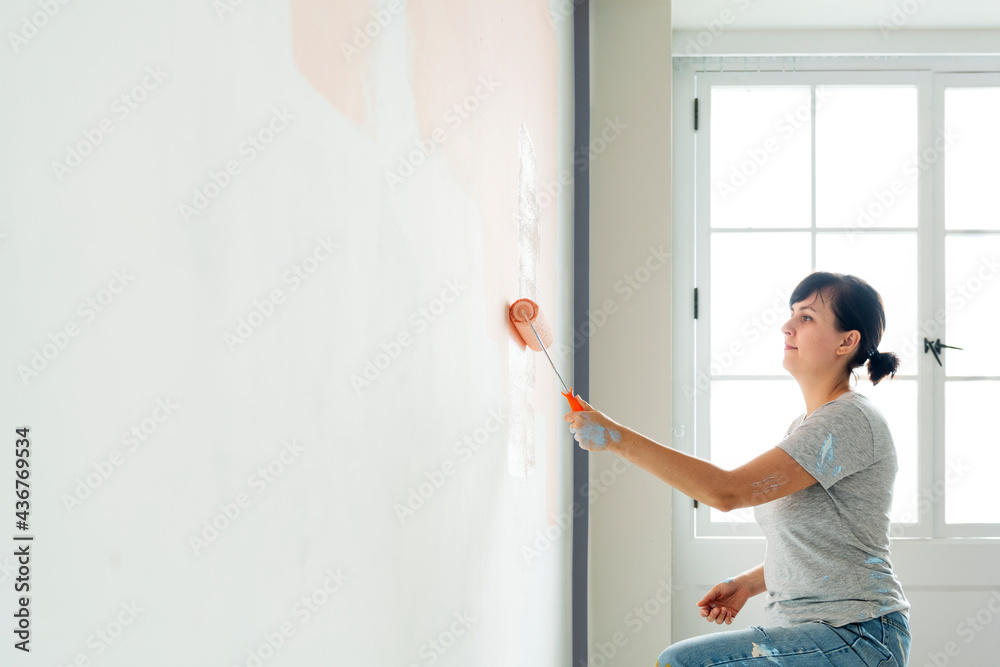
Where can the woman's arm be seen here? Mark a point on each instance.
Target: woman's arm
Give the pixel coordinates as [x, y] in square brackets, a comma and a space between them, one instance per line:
[772, 475]
[753, 579]
[725, 600]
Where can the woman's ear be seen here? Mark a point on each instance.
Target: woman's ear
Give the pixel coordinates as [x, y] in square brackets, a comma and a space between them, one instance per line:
[849, 342]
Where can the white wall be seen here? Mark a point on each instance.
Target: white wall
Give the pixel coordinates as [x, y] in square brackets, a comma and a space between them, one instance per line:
[630, 581]
[398, 502]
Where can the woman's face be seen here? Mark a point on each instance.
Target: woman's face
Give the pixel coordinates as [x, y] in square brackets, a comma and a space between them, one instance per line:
[813, 346]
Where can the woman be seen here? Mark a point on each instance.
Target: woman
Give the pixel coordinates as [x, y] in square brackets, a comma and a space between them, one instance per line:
[821, 497]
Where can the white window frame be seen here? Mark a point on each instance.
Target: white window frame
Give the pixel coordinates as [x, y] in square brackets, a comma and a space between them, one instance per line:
[692, 76]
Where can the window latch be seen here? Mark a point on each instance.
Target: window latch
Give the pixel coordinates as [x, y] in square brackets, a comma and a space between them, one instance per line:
[935, 347]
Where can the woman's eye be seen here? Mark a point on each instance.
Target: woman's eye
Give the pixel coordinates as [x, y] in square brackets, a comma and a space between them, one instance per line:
[806, 317]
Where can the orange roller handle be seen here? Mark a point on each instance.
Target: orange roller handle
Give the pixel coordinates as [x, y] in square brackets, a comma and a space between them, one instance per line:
[573, 403]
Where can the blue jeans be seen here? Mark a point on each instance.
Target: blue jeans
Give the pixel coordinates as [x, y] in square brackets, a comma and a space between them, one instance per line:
[880, 642]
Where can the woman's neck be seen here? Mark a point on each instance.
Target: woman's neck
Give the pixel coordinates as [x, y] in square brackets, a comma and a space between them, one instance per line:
[818, 396]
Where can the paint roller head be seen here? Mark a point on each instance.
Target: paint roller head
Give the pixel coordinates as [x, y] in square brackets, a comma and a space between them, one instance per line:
[525, 313]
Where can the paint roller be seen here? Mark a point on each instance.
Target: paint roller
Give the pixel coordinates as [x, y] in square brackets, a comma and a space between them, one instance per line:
[534, 330]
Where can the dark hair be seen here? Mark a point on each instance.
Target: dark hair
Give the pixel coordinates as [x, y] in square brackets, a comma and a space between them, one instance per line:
[856, 306]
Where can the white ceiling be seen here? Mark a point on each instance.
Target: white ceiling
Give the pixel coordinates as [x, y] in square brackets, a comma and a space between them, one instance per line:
[838, 14]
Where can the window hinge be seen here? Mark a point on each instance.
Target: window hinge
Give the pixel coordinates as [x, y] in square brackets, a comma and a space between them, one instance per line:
[695, 303]
[696, 504]
[696, 114]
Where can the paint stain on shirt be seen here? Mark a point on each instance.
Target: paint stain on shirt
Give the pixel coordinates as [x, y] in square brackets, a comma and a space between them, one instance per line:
[825, 460]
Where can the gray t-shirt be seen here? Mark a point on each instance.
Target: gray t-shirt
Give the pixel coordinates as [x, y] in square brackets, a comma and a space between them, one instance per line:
[827, 553]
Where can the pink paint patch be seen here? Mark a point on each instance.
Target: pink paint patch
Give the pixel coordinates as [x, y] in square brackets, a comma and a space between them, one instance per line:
[329, 53]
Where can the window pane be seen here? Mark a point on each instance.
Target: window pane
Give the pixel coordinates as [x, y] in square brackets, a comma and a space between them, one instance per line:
[972, 304]
[866, 147]
[753, 275]
[749, 417]
[887, 262]
[760, 157]
[971, 453]
[971, 145]
[897, 401]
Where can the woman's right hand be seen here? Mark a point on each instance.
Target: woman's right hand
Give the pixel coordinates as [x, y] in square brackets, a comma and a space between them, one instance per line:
[724, 601]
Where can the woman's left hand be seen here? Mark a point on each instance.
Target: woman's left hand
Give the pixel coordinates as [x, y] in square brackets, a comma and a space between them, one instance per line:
[594, 430]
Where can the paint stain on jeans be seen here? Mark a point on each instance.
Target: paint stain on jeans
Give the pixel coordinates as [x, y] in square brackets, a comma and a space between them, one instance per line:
[764, 649]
